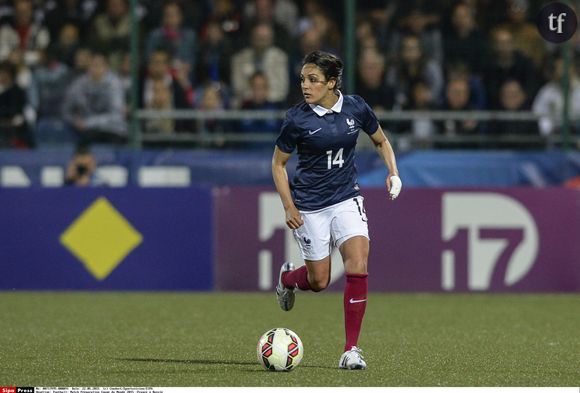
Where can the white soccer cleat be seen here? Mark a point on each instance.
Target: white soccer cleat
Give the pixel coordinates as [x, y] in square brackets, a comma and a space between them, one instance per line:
[352, 360]
[285, 295]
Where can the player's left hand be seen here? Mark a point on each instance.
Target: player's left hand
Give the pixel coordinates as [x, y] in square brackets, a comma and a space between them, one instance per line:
[394, 185]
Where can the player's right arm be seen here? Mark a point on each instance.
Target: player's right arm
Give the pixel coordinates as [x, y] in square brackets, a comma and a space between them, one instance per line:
[280, 175]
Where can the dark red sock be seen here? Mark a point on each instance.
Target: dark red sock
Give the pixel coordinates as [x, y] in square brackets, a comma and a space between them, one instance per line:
[355, 304]
[296, 279]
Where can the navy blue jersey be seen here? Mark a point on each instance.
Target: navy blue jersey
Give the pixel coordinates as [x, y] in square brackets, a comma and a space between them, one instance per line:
[325, 141]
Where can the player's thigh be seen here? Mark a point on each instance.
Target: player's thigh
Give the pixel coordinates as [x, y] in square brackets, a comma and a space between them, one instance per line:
[349, 220]
[355, 254]
[351, 235]
[313, 237]
[319, 272]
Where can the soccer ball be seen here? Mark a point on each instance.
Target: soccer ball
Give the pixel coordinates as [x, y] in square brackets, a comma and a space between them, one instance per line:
[280, 349]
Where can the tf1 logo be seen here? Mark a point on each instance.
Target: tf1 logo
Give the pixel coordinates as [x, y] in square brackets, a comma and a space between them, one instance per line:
[491, 240]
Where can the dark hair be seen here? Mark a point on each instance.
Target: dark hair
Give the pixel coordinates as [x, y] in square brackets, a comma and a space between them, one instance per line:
[9, 68]
[98, 52]
[330, 65]
[82, 148]
[175, 3]
[257, 74]
[160, 49]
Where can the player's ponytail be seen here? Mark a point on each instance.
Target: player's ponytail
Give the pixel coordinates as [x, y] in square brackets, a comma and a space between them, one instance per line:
[330, 65]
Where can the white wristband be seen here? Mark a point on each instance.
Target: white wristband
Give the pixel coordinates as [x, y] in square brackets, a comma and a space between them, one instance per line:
[396, 185]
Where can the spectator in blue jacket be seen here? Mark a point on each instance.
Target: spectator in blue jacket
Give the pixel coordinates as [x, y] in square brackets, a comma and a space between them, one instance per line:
[259, 101]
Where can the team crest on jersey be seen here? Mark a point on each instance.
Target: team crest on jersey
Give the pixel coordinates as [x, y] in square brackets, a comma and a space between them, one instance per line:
[351, 126]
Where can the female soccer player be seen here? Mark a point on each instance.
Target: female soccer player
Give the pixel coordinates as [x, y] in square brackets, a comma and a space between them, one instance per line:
[323, 203]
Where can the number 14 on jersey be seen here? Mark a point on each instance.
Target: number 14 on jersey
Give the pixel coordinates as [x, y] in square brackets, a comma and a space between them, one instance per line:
[337, 160]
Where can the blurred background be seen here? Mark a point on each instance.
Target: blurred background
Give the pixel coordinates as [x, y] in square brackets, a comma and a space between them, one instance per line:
[218, 76]
[162, 116]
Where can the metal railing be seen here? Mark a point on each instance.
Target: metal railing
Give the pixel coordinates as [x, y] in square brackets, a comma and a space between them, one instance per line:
[404, 140]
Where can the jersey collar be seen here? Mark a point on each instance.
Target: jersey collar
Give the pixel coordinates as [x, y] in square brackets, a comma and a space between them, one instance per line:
[321, 111]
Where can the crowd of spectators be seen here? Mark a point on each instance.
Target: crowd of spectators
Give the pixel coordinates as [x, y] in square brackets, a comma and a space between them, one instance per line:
[65, 65]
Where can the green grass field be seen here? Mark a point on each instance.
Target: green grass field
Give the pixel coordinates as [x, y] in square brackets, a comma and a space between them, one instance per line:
[193, 339]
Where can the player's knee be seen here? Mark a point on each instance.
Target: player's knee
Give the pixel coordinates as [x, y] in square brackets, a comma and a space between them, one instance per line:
[319, 284]
[356, 266]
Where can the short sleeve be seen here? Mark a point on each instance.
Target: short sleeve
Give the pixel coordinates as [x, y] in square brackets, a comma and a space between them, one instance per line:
[368, 118]
[287, 140]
